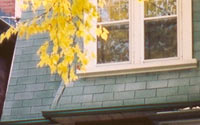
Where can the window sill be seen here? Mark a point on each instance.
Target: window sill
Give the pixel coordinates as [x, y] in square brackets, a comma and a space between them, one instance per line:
[146, 67]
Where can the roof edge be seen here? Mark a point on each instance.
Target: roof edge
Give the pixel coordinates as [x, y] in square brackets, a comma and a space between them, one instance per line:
[120, 109]
[5, 22]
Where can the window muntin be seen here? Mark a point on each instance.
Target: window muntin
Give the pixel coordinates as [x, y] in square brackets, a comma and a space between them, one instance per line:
[114, 17]
[160, 29]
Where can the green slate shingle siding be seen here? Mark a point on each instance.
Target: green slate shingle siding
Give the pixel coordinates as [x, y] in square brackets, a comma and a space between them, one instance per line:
[32, 90]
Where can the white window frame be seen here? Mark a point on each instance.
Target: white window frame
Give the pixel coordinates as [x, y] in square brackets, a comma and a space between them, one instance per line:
[137, 63]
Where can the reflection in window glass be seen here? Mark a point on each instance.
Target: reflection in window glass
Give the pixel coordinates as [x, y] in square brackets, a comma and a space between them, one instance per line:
[160, 38]
[116, 48]
[155, 8]
[114, 10]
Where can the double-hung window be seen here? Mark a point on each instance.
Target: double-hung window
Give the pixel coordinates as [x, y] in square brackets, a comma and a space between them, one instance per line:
[149, 36]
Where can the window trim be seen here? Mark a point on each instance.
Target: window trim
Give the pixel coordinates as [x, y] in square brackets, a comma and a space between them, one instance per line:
[137, 63]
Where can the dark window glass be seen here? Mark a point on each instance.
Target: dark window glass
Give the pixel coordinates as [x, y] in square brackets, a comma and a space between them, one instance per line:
[116, 48]
[161, 38]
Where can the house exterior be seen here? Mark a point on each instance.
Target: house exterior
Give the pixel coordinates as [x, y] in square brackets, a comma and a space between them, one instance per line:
[146, 93]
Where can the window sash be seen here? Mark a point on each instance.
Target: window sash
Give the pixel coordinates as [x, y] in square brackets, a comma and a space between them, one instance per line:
[179, 32]
[113, 22]
[120, 22]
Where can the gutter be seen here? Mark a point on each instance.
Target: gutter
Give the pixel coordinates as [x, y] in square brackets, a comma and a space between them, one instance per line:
[154, 112]
[120, 109]
[25, 122]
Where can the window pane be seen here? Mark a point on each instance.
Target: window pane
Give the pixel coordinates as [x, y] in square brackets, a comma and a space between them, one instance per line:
[114, 10]
[116, 48]
[155, 8]
[160, 38]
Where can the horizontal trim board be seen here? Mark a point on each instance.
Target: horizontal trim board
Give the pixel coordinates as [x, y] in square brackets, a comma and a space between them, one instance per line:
[142, 68]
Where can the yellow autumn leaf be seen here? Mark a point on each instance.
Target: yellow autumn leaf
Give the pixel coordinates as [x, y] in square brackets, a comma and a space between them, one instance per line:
[104, 36]
[98, 31]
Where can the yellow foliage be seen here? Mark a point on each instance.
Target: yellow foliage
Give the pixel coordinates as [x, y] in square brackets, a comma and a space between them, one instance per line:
[101, 3]
[65, 22]
[143, 0]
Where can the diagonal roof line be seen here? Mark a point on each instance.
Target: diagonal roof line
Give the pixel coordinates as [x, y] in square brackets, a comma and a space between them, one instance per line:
[5, 22]
[7, 19]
